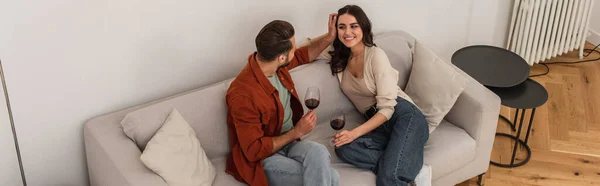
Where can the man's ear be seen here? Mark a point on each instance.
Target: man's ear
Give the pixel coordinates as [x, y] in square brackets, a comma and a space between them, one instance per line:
[281, 59]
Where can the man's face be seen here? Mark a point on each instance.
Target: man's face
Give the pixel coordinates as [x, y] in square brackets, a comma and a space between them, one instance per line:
[285, 61]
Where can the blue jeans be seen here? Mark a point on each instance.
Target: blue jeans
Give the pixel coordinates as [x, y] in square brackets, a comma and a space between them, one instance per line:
[301, 163]
[394, 150]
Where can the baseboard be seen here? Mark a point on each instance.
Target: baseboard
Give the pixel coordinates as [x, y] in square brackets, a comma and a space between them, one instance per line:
[594, 37]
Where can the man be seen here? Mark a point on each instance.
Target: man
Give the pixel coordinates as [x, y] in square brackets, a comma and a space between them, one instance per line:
[265, 120]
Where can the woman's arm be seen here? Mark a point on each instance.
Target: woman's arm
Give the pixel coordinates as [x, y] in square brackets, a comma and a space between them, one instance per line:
[387, 91]
[345, 137]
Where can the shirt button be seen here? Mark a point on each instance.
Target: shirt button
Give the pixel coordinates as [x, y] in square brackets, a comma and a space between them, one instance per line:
[292, 91]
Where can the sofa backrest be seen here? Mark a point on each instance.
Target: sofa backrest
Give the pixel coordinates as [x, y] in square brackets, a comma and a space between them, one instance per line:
[205, 109]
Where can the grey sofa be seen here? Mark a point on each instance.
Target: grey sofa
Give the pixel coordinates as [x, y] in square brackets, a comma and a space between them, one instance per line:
[457, 150]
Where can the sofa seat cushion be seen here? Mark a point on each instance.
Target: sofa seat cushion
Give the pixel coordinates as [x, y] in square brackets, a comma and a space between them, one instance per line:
[350, 175]
[222, 177]
[449, 148]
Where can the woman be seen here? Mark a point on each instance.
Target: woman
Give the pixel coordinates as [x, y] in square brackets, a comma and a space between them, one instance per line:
[391, 141]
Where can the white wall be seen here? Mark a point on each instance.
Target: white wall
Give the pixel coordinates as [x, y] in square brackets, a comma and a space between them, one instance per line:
[9, 165]
[595, 24]
[489, 22]
[67, 61]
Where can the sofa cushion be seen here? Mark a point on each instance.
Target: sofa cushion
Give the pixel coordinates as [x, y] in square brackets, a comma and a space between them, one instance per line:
[323, 133]
[176, 155]
[433, 85]
[222, 177]
[457, 147]
[351, 176]
[449, 148]
[397, 45]
[204, 109]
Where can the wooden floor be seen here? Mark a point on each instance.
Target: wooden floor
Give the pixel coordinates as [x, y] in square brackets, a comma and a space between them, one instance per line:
[565, 139]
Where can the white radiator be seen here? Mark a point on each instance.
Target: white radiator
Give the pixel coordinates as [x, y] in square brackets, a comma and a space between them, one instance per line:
[542, 29]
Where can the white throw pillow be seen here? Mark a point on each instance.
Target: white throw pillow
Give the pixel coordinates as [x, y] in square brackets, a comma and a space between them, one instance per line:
[433, 85]
[175, 154]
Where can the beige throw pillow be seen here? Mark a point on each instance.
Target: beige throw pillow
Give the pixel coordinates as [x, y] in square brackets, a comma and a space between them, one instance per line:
[433, 85]
[175, 154]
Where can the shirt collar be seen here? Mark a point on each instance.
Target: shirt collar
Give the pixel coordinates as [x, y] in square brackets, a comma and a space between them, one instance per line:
[260, 76]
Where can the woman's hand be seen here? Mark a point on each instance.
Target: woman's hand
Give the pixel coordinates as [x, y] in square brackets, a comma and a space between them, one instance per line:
[344, 137]
[332, 28]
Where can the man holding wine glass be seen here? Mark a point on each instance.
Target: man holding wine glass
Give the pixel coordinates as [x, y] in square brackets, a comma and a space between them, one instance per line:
[265, 119]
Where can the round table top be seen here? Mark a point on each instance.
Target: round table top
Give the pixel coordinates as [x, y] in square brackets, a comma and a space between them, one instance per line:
[529, 94]
[492, 66]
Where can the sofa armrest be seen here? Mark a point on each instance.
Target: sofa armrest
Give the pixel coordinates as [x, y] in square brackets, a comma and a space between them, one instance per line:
[112, 158]
[476, 111]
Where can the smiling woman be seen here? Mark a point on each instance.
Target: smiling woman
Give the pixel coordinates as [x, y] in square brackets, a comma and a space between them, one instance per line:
[396, 130]
[352, 23]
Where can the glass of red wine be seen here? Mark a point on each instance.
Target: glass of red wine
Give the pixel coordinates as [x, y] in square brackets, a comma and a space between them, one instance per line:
[312, 97]
[338, 120]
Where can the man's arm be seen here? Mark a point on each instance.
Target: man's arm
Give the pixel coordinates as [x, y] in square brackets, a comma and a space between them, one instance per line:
[320, 43]
[307, 54]
[304, 126]
[281, 141]
[248, 129]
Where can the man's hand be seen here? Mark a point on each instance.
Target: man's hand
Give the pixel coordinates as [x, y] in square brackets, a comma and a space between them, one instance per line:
[306, 124]
[332, 28]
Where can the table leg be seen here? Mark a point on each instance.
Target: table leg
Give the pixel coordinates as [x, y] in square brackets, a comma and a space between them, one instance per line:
[512, 160]
[511, 123]
[530, 124]
[518, 141]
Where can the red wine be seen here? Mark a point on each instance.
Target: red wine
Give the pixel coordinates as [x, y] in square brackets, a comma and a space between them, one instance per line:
[337, 124]
[312, 103]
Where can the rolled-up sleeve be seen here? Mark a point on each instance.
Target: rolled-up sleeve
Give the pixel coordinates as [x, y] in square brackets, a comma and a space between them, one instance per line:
[386, 80]
[323, 55]
[300, 57]
[248, 128]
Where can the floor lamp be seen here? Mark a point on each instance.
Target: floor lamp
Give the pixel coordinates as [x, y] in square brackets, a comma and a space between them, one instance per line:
[12, 124]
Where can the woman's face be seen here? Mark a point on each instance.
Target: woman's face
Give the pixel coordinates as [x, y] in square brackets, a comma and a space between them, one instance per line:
[349, 31]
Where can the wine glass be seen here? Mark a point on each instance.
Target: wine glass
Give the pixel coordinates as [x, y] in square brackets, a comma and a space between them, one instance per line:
[337, 122]
[312, 97]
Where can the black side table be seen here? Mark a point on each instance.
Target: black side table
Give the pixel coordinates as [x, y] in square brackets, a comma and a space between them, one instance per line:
[493, 67]
[527, 95]
[506, 74]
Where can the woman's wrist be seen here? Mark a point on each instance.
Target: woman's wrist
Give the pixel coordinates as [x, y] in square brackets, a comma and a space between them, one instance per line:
[357, 132]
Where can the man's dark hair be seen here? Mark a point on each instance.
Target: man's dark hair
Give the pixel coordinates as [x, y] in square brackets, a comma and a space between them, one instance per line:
[274, 40]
